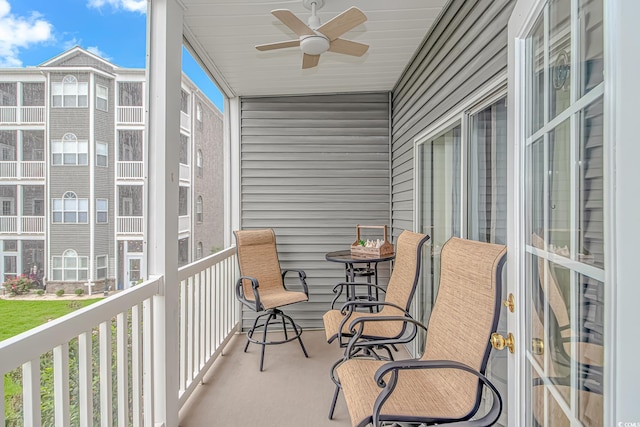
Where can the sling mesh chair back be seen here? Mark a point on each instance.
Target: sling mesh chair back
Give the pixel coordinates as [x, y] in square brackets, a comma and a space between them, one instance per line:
[398, 297]
[445, 384]
[261, 287]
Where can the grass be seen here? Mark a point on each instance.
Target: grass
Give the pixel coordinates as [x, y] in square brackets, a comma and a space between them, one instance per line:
[17, 316]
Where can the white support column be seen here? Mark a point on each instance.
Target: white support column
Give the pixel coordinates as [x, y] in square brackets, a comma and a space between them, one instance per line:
[164, 50]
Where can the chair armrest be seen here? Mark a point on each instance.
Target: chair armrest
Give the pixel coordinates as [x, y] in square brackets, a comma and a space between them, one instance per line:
[256, 294]
[357, 326]
[303, 279]
[338, 289]
[348, 307]
[490, 418]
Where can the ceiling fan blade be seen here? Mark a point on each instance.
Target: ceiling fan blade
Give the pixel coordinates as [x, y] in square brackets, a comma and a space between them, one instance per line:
[278, 45]
[310, 61]
[348, 47]
[293, 22]
[342, 23]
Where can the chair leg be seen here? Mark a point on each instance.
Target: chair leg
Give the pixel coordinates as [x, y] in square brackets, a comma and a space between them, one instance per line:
[298, 333]
[264, 339]
[284, 326]
[334, 401]
[250, 332]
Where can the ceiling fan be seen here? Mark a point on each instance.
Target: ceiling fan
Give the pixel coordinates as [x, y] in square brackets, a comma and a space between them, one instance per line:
[315, 39]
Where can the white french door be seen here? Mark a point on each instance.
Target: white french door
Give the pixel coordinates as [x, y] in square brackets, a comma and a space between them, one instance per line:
[557, 243]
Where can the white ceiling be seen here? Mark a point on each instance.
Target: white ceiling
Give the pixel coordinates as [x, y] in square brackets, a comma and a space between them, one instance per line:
[224, 34]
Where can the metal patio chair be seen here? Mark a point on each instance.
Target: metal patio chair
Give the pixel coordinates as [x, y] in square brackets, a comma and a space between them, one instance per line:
[261, 287]
[398, 296]
[445, 384]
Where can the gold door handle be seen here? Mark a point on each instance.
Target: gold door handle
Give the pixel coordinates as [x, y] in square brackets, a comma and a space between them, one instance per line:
[510, 303]
[499, 342]
[537, 346]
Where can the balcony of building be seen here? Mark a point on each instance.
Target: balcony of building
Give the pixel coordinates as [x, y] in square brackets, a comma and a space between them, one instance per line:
[24, 170]
[14, 115]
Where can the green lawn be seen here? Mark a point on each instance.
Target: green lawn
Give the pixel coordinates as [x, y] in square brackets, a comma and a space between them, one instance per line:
[17, 316]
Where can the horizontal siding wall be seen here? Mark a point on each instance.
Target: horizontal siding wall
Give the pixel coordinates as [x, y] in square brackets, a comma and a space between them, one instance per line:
[466, 50]
[312, 167]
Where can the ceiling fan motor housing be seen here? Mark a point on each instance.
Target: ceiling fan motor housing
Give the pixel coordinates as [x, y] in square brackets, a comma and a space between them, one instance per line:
[314, 45]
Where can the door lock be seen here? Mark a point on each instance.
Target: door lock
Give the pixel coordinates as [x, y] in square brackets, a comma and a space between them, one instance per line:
[510, 303]
[499, 342]
[537, 346]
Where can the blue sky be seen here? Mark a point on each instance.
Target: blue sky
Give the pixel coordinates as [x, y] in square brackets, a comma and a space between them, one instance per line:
[33, 31]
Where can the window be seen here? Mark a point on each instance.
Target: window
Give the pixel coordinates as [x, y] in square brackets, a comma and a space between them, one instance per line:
[183, 251]
[130, 94]
[184, 102]
[199, 116]
[199, 250]
[69, 266]
[183, 201]
[70, 209]
[70, 93]
[102, 211]
[69, 151]
[32, 94]
[184, 149]
[102, 98]
[199, 209]
[199, 163]
[130, 145]
[102, 154]
[101, 267]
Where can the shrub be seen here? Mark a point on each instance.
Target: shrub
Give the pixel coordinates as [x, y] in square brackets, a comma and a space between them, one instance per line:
[40, 292]
[79, 291]
[18, 285]
[59, 292]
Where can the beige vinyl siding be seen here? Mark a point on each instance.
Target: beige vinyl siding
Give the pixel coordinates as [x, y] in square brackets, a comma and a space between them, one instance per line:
[466, 49]
[312, 167]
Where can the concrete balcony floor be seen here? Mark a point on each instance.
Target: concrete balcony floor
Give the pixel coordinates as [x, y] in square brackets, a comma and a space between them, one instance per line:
[292, 391]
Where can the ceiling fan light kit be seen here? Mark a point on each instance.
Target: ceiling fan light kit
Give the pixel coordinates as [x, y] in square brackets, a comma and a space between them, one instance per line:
[315, 39]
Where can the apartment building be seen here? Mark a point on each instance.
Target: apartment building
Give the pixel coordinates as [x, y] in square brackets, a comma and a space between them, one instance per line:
[73, 151]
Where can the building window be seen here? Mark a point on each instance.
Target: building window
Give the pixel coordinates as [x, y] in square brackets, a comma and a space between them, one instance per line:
[70, 93]
[184, 102]
[70, 266]
[102, 154]
[199, 112]
[199, 209]
[184, 149]
[102, 211]
[183, 252]
[102, 98]
[69, 151]
[199, 163]
[101, 267]
[199, 250]
[70, 209]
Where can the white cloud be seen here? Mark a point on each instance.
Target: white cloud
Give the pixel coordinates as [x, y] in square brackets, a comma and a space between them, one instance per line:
[19, 32]
[127, 5]
[96, 51]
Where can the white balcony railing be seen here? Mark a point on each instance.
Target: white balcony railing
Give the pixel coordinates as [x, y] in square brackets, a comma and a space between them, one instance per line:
[18, 115]
[184, 223]
[8, 115]
[32, 114]
[116, 335]
[129, 170]
[32, 224]
[185, 172]
[130, 224]
[25, 224]
[8, 224]
[130, 115]
[8, 170]
[17, 170]
[185, 121]
[32, 169]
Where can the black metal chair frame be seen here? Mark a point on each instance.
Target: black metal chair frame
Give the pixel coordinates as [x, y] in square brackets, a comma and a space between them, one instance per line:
[275, 315]
[393, 367]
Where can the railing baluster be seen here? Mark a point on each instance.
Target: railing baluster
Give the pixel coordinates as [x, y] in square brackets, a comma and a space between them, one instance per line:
[136, 364]
[2, 373]
[183, 336]
[31, 393]
[106, 391]
[61, 384]
[122, 369]
[85, 379]
[147, 355]
[196, 325]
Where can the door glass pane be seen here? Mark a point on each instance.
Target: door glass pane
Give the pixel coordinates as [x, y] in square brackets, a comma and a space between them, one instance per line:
[591, 56]
[590, 350]
[440, 209]
[560, 190]
[591, 182]
[487, 215]
[535, 46]
[559, 56]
